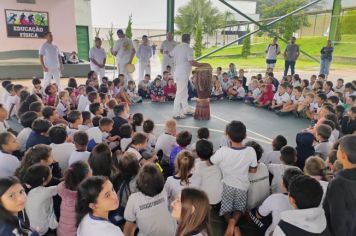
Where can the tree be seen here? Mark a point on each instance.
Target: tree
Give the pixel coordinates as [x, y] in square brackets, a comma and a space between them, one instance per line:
[128, 31]
[198, 38]
[276, 8]
[97, 32]
[246, 45]
[195, 11]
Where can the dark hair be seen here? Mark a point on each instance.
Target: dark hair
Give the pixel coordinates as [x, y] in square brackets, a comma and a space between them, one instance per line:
[329, 84]
[289, 174]
[72, 83]
[334, 99]
[88, 192]
[103, 92]
[350, 85]
[137, 120]
[128, 167]
[94, 107]
[332, 157]
[89, 89]
[324, 131]
[36, 81]
[41, 125]
[48, 111]
[24, 94]
[75, 174]
[27, 118]
[329, 123]
[90, 74]
[4, 139]
[148, 126]
[306, 191]
[306, 83]
[138, 138]
[204, 149]
[73, 116]
[278, 142]
[9, 88]
[57, 134]
[32, 156]
[184, 138]
[348, 145]
[92, 96]
[36, 175]
[105, 121]
[236, 131]
[322, 96]
[288, 155]
[100, 160]
[18, 87]
[340, 108]
[333, 118]
[257, 147]
[7, 217]
[149, 180]
[118, 109]
[203, 133]
[96, 120]
[5, 83]
[81, 138]
[125, 131]
[25, 105]
[86, 115]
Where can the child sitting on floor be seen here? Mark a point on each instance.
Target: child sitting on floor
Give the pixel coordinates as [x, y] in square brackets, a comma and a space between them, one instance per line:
[217, 92]
[254, 94]
[131, 91]
[51, 95]
[266, 97]
[156, 91]
[280, 98]
[143, 87]
[236, 92]
[170, 90]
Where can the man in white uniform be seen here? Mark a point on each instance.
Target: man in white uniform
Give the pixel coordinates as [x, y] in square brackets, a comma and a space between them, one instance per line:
[272, 51]
[166, 47]
[144, 54]
[183, 57]
[124, 52]
[97, 57]
[51, 61]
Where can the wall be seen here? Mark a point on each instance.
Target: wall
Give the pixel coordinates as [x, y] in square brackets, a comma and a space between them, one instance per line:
[61, 22]
[83, 16]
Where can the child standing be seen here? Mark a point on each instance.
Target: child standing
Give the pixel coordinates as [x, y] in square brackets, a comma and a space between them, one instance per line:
[235, 163]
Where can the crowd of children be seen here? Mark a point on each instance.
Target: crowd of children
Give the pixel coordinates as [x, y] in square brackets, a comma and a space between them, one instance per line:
[83, 165]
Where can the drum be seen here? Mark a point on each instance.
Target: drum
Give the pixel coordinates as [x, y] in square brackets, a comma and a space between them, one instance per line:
[203, 85]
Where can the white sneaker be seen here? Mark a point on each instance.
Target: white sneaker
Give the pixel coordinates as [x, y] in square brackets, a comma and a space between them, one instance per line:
[189, 113]
[178, 117]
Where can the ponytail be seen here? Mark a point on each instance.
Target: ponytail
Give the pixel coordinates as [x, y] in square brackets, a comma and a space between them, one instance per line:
[75, 174]
[185, 163]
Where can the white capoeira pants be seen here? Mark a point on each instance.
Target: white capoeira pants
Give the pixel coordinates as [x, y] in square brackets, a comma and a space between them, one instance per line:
[99, 71]
[121, 67]
[54, 74]
[144, 68]
[181, 100]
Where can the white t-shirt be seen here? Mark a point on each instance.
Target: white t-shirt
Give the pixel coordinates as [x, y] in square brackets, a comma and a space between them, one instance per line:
[62, 109]
[99, 55]
[296, 100]
[259, 189]
[281, 98]
[240, 92]
[165, 142]
[235, 164]
[39, 208]
[124, 142]
[51, 53]
[96, 134]
[82, 102]
[275, 204]
[61, 154]
[174, 187]
[151, 143]
[8, 164]
[329, 94]
[182, 55]
[135, 152]
[12, 101]
[225, 84]
[272, 157]
[78, 156]
[167, 46]
[4, 126]
[272, 51]
[22, 137]
[277, 170]
[256, 92]
[93, 226]
[211, 180]
[341, 89]
[150, 214]
[144, 53]
[124, 48]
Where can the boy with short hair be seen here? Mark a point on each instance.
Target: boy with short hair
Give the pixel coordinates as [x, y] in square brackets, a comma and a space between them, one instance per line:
[50, 113]
[339, 86]
[288, 158]
[39, 134]
[237, 92]
[322, 135]
[96, 109]
[93, 97]
[26, 119]
[126, 136]
[280, 98]
[148, 126]
[273, 157]
[167, 140]
[101, 134]
[307, 218]
[225, 83]
[235, 163]
[183, 140]
[75, 119]
[296, 99]
[120, 118]
[87, 121]
[339, 203]
[80, 153]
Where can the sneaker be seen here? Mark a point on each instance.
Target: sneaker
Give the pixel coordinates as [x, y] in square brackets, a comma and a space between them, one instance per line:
[178, 117]
[189, 113]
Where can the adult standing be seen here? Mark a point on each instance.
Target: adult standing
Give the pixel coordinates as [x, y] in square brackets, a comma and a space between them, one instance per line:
[51, 61]
[326, 58]
[97, 57]
[291, 54]
[144, 54]
[272, 51]
[124, 52]
[183, 57]
[166, 47]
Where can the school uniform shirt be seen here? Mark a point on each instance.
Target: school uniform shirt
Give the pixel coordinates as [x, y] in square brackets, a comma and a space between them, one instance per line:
[11, 102]
[71, 131]
[151, 143]
[82, 102]
[99, 55]
[277, 170]
[124, 142]
[256, 92]
[303, 222]
[259, 188]
[165, 142]
[124, 48]
[39, 208]
[334, 136]
[4, 126]
[144, 53]
[4, 96]
[341, 89]
[62, 109]
[211, 180]
[51, 55]
[150, 214]
[329, 94]
[348, 94]
[272, 51]
[135, 152]
[34, 139]
[61, 154]
[323, 149]
[83, 127]
[8, 164]
[272, 157]
[96, 134]
[275, 204]
[296, 100]
[240, 92]
[225, 84]
[93, 226]
[281, 98]
[234, 164]
[77, 155]
[22, 138]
